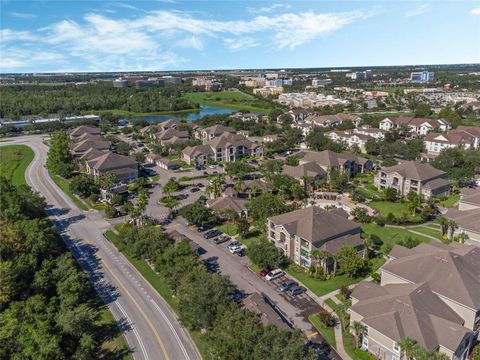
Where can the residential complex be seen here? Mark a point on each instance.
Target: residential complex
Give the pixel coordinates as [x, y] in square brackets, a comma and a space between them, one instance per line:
[417, 126]
[299, 232]
[328, 159]
[463, 136]
[413, 176]
[430, 293]
[467, 216]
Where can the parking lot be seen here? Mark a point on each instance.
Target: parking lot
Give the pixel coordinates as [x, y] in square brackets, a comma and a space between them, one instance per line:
[217, 257]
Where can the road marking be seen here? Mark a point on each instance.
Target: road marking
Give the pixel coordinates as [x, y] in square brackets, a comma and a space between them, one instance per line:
[312, 335]
[135, 332]
[172, 328]
[157, 335]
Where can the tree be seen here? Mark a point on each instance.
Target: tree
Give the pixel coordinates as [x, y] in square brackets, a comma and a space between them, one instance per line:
[201, 296]
[443, 225]
[237, 169]
[358, 329]
[263, 253]
[171, 186]
[351, 263]
[59, 160]
[414, 201]
[459, 164]
[452, 226]
[82, 185]
[198, 214]
[264, 206]
[243, 226]
[391, 194]
[409, 242]
[423, 110]
[107, 180]
[326, 318]
[407, 346]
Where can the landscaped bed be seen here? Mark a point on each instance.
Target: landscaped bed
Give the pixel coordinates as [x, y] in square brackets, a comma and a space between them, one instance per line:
[328, 333]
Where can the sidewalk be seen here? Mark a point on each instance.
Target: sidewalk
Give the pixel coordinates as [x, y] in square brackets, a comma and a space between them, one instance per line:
[338, 333]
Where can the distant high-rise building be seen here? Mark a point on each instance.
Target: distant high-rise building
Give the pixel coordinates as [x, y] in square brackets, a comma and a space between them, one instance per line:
[172, 80]
[321, 82]
[360, 75]
[421, 76]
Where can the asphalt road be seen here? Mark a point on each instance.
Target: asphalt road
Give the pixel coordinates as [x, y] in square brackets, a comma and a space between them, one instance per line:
[151, 328]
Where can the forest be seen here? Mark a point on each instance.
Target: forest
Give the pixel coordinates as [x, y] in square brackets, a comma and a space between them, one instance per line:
[17, 101]
[48, 308]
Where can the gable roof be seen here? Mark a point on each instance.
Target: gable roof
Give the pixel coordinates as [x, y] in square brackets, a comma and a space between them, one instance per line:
[409, 310]
[328, 158]
[78, 131]
[451, 270]
[111, 160]
[218, 130]
[317, 225]
[86, 144]
[415, 170]
[227, 202]
[311, 169]
[467, 219]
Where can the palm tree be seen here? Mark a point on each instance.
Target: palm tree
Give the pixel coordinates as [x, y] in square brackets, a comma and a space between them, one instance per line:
[336, 258]
[358, 329]
[407, 346]
[324, 255]
[452, 226]
[315, 255]
[443, 225]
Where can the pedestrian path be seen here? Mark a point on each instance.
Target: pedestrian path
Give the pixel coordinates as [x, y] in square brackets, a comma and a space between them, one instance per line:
[338, 333]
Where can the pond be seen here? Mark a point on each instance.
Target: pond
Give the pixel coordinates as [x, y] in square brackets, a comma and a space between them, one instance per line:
[189, 116]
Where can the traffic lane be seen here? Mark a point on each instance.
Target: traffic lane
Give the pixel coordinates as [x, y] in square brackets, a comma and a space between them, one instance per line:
[73, 217]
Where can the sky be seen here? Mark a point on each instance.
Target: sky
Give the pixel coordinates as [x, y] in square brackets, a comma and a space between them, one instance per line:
[90, 36]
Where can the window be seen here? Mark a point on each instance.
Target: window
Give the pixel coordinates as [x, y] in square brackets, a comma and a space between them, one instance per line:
[396, 348]
[365, 330]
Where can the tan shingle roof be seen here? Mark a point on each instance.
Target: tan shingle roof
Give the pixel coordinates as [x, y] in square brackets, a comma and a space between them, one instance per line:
[86, 144]
[311, 169]
[227, 202]
[111, 161]
[451, 270]
[468, 219]
[78, 131]
[319, 226]
[409, 310]
[415, 170]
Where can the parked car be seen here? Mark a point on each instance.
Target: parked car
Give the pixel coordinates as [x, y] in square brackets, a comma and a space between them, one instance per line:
[296, 290]
[287, 285]
[200, 185]
[212, 166]
[199, 167]
[233, 244]
[264, 272]
[241, 252]
[205, 173]
[211, 234]
[274, 274]
[236, 249]
[194, 190]
[203, 228]
[221, 239]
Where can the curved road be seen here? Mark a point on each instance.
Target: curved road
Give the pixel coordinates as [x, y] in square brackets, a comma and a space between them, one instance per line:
[150, 326]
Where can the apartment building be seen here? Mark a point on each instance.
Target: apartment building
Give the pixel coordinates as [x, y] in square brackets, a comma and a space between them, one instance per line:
[328, 159]
[299, 232]
[430, 293]
[436, 142]
[124, 167]
[417, 126]
[414, 176]
[171, 137]
[331, 120]
[467, 215]
[84, 131]
[163, 126]
[212, 132]
[350, 138]
[225, 148]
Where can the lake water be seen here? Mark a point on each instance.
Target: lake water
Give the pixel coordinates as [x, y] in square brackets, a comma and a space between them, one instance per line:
[190, 116]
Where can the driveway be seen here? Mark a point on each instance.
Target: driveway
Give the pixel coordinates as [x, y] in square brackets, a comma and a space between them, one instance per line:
[295, 309]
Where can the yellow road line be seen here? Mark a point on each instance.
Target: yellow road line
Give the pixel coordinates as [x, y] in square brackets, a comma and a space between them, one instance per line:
[157, 335]
[312, 335]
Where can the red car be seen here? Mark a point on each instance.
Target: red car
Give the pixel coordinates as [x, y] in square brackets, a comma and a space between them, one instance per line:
[264, 272]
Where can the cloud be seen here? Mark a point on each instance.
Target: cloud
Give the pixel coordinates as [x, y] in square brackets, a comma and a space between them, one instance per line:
[16, 58]
[268, 9]
[102, 42]
[12, 35]
[23, 15]
[239, 44]
[127, 6]
[192, 42]
[475, 11]
[419, 10]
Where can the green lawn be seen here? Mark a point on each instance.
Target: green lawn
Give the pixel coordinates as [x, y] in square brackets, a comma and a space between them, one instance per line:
[117, 344]
[231, 99]
[64, 185]
[328, 333]
[350, 349]
[14, 160]
[158, 284]
[428, 231]
[449, 201]
[319, 287]
[396, 208]
[391, 236]
[229, 229]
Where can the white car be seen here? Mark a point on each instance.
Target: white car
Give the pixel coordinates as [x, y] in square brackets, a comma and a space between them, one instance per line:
[212, 167]
[274, 274]
[236, 248]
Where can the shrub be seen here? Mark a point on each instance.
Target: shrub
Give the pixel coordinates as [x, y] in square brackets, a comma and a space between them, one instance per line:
[117, 199]
[345, 291]
[94, 198]
[110, 212]
[376, 277]
[326, 318]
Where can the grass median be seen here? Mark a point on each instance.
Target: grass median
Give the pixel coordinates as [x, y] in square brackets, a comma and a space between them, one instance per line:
[14, 160]
[64, 184]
